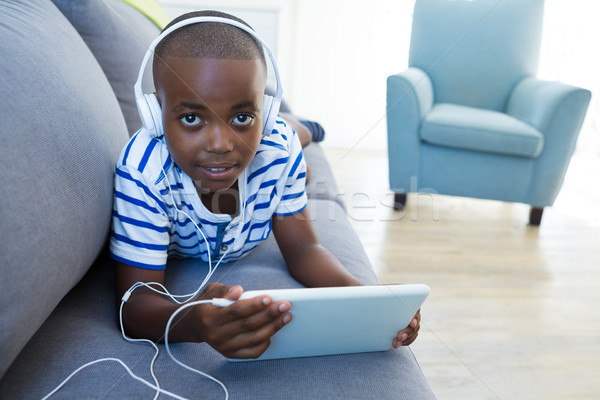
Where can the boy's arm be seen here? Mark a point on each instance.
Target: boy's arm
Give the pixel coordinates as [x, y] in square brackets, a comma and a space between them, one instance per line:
[307, 260]
[145, 314]
[314, 266]
[241, 330]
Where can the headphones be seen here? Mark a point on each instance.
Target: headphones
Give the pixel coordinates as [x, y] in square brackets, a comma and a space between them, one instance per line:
[149, 108]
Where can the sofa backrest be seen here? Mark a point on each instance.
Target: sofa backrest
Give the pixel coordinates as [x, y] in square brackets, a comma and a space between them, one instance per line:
[61, 130]
[119, 36]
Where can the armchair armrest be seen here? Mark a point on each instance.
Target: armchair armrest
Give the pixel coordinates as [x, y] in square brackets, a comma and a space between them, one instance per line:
[409, 99]
[413, 83]
[537, 102]
[557, 110]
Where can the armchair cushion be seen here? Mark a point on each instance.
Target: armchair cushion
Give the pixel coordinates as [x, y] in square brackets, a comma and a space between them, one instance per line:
[476, 129]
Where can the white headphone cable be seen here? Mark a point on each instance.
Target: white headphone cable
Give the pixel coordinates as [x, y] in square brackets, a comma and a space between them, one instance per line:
[180, 309]
[142, 340]
[134, 376]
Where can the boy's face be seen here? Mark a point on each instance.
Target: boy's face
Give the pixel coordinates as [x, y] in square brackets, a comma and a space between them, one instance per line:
[212, 116]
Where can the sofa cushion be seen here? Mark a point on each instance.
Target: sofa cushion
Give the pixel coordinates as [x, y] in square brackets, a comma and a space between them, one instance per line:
[119, 43]
[476, 129]
[61, 131]
[321, 184]
[83, 329]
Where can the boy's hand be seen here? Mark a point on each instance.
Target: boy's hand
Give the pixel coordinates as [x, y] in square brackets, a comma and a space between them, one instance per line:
[410, 333]
[243, 329]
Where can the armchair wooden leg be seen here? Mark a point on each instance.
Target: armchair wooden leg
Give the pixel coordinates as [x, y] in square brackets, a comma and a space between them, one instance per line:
[399, 201]
[535, 215]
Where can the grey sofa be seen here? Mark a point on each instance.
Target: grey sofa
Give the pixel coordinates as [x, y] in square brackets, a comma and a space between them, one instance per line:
[67, 70]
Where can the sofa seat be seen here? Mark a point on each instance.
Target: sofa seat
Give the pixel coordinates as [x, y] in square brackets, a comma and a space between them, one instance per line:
[84, 328]
[476, 129]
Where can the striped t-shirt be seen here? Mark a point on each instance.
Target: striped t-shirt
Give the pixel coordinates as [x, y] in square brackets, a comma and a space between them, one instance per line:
[147, 228]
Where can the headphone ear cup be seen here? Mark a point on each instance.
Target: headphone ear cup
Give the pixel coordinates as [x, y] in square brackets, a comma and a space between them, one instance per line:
[156, 114]
[270, 112]
[150, 114]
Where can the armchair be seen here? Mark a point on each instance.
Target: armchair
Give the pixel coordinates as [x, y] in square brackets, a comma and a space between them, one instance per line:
[469, 117]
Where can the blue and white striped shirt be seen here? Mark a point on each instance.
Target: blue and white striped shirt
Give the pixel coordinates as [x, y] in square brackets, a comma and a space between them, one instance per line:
[147, 228]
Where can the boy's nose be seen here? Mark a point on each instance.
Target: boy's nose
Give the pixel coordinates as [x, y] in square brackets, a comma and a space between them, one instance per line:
[219, 138]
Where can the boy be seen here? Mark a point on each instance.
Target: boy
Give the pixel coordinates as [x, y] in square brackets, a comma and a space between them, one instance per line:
[214, 164]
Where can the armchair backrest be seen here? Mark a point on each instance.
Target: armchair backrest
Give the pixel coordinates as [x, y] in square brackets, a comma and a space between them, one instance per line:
[475, 51]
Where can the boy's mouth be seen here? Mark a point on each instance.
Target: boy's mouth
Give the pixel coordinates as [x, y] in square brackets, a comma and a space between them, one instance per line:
[218, 172]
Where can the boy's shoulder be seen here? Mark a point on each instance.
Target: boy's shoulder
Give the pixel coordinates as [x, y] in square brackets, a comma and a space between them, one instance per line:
[144, 154]
[278, 156]
[281, 138]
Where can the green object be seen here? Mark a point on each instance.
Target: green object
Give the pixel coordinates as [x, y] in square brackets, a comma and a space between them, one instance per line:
[152, 10]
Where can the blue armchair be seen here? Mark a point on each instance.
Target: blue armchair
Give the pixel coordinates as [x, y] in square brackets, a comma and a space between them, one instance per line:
[469, 118]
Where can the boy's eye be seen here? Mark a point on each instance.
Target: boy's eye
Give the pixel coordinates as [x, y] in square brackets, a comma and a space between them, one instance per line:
[243, 119]
[190, 120]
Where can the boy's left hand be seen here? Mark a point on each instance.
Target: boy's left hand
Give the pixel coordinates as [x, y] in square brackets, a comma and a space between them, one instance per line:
[410, 333]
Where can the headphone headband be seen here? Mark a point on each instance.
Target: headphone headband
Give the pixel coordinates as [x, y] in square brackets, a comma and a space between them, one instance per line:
[142, 101]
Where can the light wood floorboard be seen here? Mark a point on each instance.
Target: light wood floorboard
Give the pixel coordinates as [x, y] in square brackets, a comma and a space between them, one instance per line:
[514, 310]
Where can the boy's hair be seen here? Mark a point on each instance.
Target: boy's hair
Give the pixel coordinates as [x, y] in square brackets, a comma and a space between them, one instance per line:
[209, 40]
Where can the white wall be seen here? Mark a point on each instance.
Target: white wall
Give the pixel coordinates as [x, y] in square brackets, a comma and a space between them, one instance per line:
[570, 54]
[344, 52]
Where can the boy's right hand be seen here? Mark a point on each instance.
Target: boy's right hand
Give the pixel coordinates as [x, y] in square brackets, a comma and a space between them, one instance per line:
[242, 329]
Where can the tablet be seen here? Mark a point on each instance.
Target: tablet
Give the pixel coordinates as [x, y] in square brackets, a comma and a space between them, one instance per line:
[341, 320]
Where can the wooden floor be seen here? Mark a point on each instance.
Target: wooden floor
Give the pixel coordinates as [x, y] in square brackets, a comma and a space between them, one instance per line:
[514, 310]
